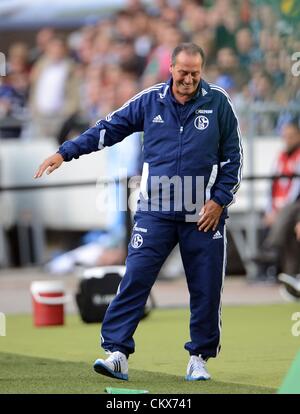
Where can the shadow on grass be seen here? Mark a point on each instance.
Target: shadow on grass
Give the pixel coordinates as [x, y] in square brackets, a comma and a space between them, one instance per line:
[28, 375]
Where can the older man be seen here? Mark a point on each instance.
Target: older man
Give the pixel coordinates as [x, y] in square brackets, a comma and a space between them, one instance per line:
[193, 159]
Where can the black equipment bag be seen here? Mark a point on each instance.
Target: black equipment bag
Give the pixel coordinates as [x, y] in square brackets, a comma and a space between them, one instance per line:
[97, 289]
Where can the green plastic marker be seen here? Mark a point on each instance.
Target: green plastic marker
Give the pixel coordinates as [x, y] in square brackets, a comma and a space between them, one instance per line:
[291, 383]
[112, 390]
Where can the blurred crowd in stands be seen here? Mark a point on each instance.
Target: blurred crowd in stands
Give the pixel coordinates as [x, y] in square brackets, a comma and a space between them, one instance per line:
[63, 85]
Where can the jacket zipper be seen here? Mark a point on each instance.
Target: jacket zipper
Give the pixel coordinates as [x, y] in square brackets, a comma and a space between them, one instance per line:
[179, 160]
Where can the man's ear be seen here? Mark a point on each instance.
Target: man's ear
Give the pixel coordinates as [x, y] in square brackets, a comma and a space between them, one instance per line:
[171, 69]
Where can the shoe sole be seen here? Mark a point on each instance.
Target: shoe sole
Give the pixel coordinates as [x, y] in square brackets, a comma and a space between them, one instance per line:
[189, 378]
[286, 295]
[102, 369]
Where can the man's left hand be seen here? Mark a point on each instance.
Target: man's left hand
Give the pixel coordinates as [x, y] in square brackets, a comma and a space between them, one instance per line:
[209, 216]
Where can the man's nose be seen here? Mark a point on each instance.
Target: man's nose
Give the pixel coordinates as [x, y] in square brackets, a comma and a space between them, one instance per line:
[188, 78]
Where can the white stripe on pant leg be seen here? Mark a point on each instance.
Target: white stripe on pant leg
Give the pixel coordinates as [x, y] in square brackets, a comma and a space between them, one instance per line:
[223, 279]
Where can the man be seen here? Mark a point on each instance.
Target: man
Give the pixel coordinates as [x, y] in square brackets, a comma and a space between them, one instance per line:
[190, 132]
[54, 89]
[285, 191]
[286, 239]
[280, 249]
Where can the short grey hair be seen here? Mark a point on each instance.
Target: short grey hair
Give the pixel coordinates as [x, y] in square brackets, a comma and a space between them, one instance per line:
[190, 49]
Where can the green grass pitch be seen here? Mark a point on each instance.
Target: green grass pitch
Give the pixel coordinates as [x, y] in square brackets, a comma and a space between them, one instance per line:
[257, 351]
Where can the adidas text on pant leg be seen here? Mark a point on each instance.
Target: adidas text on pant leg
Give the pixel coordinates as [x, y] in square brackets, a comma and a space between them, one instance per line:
[204, 259]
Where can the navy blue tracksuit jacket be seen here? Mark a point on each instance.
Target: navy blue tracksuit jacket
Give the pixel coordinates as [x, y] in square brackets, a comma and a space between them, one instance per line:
[199, 139]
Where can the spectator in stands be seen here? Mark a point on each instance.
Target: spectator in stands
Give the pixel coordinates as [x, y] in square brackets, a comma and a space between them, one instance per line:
[42, 40]
[290, 277]
[285, 191]
[91, 93]
[14, 91]
[261, 90]
[226, 30]
[128, 59]
[228, 64]
[143, 40]
[54, 89]
[83, 50]
[290, 90]
[157, 69]
[272, 66]
[124, 25]
[18, 59]
[12, 103]
[194, 18]
[102, 51]
[280, 248]
[246, 51]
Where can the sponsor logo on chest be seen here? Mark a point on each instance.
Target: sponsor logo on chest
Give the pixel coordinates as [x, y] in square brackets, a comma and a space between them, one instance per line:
[204, 111]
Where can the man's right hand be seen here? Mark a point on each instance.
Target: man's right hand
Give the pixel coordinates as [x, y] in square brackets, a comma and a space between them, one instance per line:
[50, 164]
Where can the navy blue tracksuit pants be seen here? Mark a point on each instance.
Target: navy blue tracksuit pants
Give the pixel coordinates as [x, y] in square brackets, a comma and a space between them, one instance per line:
[204, 260]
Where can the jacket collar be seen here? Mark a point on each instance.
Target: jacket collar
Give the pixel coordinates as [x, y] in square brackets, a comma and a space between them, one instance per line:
[204, 96]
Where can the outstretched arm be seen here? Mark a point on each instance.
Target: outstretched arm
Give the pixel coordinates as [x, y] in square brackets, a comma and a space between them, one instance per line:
[50, 164]
[117, 126]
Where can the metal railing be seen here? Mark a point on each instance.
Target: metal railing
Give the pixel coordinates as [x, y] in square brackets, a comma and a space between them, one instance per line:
[244, 235]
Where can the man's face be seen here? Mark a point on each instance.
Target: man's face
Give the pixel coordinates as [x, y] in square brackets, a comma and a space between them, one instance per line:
[186, 73]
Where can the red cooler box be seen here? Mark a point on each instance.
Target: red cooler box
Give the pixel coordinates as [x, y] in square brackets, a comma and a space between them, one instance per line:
[48, 300]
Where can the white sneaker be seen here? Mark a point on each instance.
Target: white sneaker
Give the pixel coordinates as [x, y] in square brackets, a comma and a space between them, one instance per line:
[115, 366]
[196, 369]
[290, 289]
